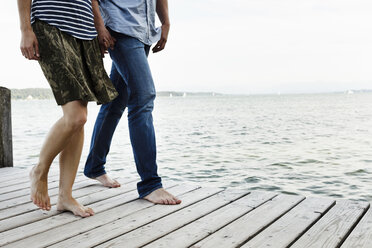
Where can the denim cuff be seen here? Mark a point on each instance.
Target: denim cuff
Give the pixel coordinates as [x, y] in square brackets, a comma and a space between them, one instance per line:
[156, 186]
[94, 175]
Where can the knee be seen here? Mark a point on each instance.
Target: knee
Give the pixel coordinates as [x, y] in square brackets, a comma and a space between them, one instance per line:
[144, 100]
[76, 122]
[140, 104]
[116, 108]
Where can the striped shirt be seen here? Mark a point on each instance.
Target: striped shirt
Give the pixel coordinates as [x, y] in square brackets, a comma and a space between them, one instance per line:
[75, 17]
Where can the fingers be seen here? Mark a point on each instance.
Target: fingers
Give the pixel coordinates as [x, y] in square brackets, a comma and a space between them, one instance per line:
[23, 51]
[112, 42]
[109, 42]
[36, 47]
[106, 44]
[159, 46]
[155, 49]
[103, 51]
[32, 52]
[30, 45]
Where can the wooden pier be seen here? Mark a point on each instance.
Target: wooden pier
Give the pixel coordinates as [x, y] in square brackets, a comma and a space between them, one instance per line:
[207, 217]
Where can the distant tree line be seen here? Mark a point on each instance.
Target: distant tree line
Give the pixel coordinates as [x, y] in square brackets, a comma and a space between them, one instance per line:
[34, 93]
[41, 93]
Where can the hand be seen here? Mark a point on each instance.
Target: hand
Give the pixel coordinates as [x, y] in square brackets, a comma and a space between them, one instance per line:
[30, 45]
[163, 39]
[105, 40]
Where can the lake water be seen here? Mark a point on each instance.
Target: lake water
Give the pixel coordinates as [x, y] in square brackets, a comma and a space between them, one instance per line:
[302, 144]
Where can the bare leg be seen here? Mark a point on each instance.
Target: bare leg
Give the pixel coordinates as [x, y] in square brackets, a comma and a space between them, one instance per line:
[107, 181]
[161, 196]
[68, 162]
[58, 137]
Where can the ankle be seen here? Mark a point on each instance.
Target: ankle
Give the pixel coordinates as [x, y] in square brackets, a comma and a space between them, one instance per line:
[40, 173]
[62, 195]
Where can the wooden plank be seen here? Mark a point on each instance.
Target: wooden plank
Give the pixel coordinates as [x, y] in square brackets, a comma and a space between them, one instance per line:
[7, 169]
[169, 223]
[21, 173]
[125, 204]
[86, 195]
[25, 178]
[25, 184]
[361, 236]
[334, 226]
[26, 191]
[134, 219]
[16, 173]
[292, 225]
[55, 218]
[201, 228]
[82, 182]
[236, 233]
[28, 207]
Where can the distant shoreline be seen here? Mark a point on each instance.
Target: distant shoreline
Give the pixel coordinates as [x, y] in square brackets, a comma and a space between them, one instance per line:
[45, 93]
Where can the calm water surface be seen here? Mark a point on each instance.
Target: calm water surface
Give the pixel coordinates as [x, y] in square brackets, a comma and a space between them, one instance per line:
[301, 144]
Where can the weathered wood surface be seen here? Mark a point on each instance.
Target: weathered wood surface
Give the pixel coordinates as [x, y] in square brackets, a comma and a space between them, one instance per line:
[361, 236]
[207, 217]
[334, 227]
[6, 146]
[292, 225]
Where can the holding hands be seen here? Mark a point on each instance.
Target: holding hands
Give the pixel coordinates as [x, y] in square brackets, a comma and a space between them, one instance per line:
[105, 40]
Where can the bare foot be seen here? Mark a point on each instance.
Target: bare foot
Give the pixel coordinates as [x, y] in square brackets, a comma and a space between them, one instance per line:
[161, 196]
[107, 181]
[39, 189]
[70, 204]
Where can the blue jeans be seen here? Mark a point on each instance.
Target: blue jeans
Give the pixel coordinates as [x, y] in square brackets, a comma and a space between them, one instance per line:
[132, 78]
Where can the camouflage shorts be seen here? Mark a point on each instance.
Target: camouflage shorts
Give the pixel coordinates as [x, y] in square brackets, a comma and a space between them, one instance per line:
[73, 67]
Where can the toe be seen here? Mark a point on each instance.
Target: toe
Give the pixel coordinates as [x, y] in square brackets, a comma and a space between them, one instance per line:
[116, 184]
[85, 215]
[81, 213]
[90, 211]
[176, 200]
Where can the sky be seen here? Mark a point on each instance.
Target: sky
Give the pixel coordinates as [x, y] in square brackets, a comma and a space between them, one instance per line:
[240, 47]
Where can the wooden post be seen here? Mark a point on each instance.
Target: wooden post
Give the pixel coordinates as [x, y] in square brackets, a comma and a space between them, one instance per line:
[6, 146]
